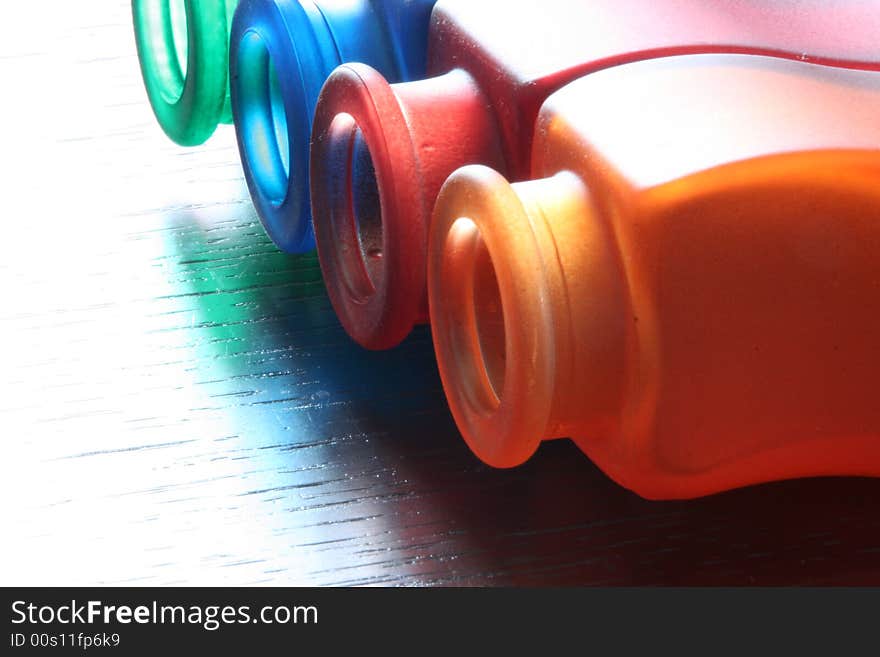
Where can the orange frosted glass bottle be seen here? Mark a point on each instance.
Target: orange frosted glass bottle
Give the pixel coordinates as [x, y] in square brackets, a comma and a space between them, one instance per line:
[690, 286]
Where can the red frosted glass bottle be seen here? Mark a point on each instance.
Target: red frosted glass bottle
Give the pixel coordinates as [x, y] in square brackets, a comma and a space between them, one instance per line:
[493, 64]
[690, 287]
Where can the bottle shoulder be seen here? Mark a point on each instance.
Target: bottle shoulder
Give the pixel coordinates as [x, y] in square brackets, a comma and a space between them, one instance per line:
[656, 122]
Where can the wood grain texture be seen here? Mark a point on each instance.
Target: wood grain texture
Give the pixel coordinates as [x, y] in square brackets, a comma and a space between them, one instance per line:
[180, 406]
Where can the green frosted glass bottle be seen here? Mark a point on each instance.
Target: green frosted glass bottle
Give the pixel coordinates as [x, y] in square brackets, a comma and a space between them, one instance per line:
[183, 48]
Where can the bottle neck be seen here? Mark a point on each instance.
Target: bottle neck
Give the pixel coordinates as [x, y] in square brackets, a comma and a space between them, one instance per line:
[407, 22]
[590, 304]
[414, 135]
[528, 305]
[358, 31]
[450, 124]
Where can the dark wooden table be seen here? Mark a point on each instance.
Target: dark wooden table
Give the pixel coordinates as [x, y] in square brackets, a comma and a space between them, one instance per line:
[180, 406]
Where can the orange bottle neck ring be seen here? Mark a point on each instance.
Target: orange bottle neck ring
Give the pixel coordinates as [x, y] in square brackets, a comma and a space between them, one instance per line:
[529, 310]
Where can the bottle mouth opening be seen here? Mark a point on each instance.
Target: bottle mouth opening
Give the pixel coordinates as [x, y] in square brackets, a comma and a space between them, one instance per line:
[357, 223]
[489, 319]
[262, 118]
[179, 43]
[490, 316]
[166, 45]
[475, 324]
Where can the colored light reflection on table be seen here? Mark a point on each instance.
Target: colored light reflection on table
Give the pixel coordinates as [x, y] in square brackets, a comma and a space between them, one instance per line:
[151, 328]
